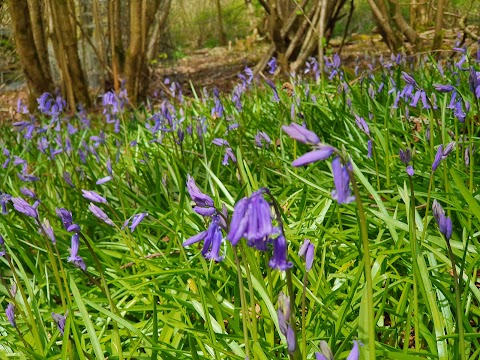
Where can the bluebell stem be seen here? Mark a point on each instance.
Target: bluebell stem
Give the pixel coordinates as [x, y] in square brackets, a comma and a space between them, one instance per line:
[10, 312]
[93, 196]
[341, 179]
[95, 210]
[307, 250]
[60, 321]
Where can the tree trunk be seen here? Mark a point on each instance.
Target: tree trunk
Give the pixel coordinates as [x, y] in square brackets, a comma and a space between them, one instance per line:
[37, 80]
[158, 25]
[68, 37]
[437, 39]
[222, 37]
[409, 33]
[381, 16]
[135, 53]
[38, 30]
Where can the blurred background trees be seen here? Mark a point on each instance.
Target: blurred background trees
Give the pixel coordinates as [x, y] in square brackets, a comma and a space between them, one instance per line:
[83, 46]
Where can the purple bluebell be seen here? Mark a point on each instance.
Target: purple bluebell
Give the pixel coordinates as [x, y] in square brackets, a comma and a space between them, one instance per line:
[65, 216]
[321, 153]
[135, 221]
[47, 228]
[262, 139]
[251, 219]
[109, 167]
[212, 240]
[438, 158]
[325, 352]
[279, 259]
[408, 79]
[229, 155]
[362, 124]
[307, 251]
[272, 65]
[99, 213]
[28, 193]
[10, 312]
[74, 258]
[370, 148]
[458, 112]
[406, 157]
[204, 203]
[103, 180]
[220, 142]
[60, 321]
[301, 134]
[4, 199]
[93, 196]
[3, 250]
[271, 84]
[443, 88]
[341, 180]
[24, 207]
[68, 179]
[284, 321]
[444, 222]
[6, 153]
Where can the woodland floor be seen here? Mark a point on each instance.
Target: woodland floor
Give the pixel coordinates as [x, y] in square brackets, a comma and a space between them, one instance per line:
[218, 67]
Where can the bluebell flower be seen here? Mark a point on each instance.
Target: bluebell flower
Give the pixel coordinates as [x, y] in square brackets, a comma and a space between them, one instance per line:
[135, 221]
[284, 321]
[47, 228]
[341, 179]
[251, 219]
[3, 250]
[68, 179]
[444, 222]
[307, 251]
[326, 353]
[271, 84]
[301, 134]
[74, 258]
[406, 157]
[279, 259]
[93, 196]
[10, 312]
[262, 139]
[60, 321]
[103, 180]
[99, 213]
[204, 203]
[272, 64]
[212, 240]
[24, 207]
[443, 88]
[4, 199]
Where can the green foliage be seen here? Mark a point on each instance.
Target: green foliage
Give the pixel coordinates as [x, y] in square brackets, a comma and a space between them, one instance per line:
[144, 295]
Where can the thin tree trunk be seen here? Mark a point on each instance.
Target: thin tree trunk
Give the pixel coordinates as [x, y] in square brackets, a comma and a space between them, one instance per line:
[159, 23]
[382, 19]
[38, 82]
[99, 39]
[134, 51]
[409, 33]
[112, 25]
[437, 39]
[321, 34]
[69, 40]
[222, 37]
[35, 10]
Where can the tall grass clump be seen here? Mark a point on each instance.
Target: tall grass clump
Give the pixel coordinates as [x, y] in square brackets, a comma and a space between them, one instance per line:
[335, 219]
